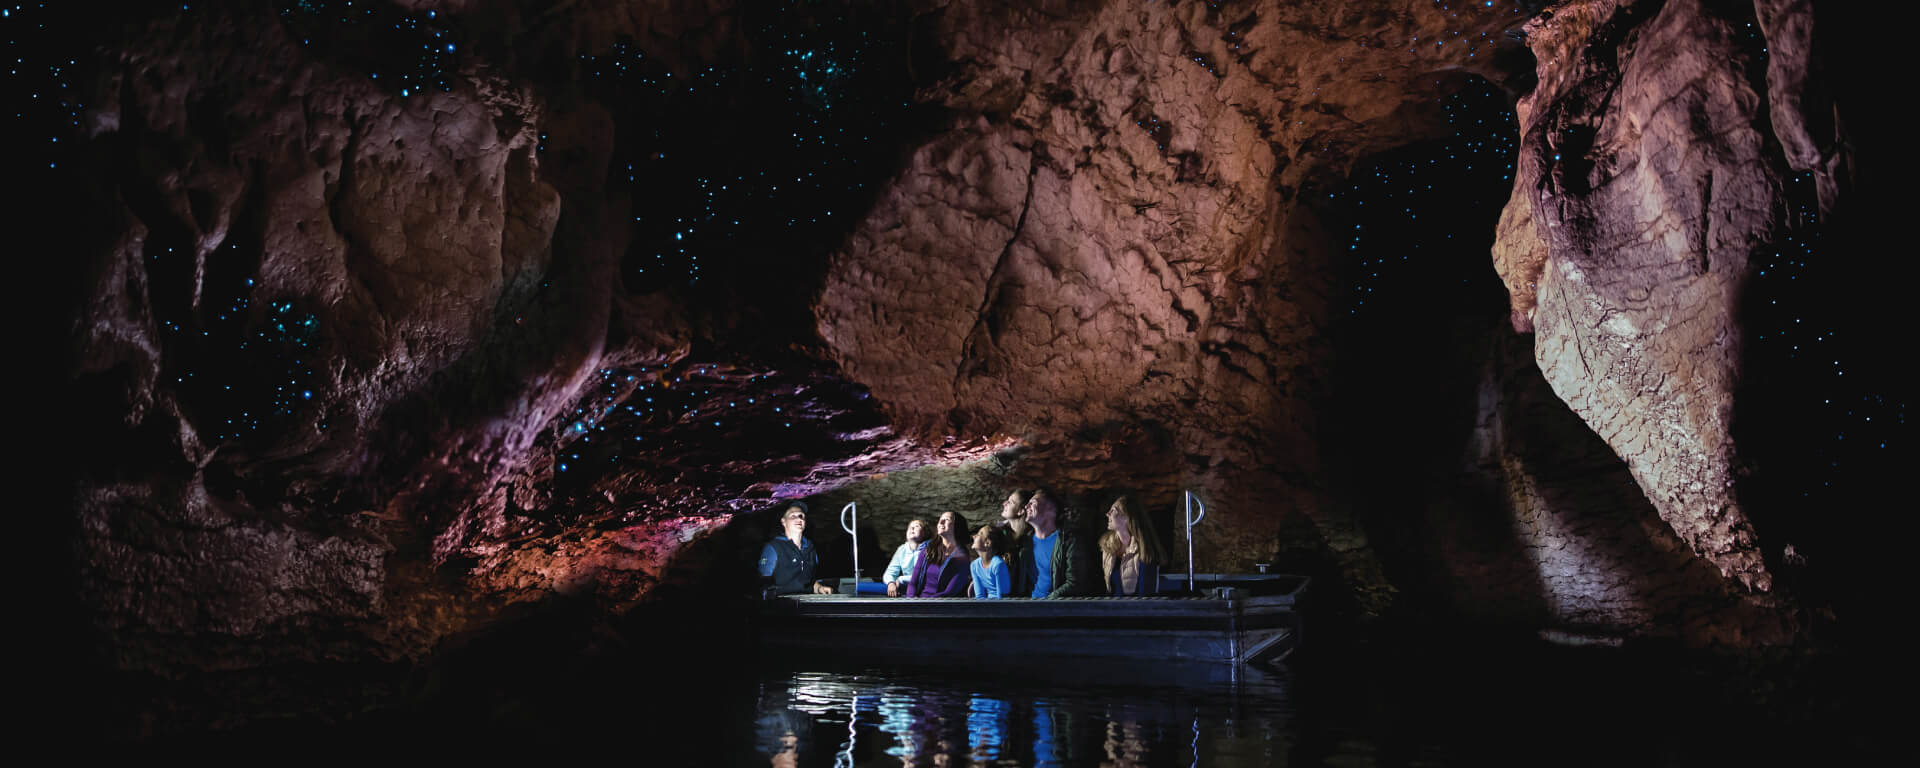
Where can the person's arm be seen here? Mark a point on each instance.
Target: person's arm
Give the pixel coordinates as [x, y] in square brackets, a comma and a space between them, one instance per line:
[1001, 579]
[915, 577]
[897, 567]
[1066, 555]
[962, 577]
[768, 558]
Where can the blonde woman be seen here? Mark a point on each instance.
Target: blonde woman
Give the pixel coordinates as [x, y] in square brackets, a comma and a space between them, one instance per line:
[1130, 552]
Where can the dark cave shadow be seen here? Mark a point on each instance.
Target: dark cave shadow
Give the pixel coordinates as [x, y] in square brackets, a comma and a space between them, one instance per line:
[1443, 422]
[1416, 345]
[1819, 411]
[1443, 525]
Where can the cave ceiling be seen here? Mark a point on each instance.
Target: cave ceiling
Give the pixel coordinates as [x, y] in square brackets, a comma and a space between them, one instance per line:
[398, 312]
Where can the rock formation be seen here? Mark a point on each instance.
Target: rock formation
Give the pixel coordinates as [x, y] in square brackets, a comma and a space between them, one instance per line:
[396, 314]
[1653, 182]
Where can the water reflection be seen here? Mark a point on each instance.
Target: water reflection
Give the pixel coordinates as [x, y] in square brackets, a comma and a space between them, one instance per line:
[987, 720]
[1126, 745]
[915, 720]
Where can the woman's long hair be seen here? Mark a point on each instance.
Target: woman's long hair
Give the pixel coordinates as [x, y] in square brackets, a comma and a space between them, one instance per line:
[937, 547]
[1140, 529]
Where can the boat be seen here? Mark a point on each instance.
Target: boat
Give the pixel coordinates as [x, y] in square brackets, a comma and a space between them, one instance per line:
[1214, 619]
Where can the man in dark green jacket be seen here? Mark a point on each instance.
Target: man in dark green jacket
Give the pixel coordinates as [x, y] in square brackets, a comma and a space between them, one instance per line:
[1056, 561]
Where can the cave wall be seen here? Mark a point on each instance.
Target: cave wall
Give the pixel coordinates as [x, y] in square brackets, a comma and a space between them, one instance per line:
[372, 364]
[1600, 558]
[300, 257]
[352, 319]
[1107, 238]
[1652, 185]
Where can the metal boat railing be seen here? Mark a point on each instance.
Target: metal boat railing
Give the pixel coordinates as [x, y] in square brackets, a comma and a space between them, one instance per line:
[850, 522]
[1192, 521]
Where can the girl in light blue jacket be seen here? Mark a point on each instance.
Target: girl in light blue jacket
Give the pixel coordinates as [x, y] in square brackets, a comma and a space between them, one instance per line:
[991, 577]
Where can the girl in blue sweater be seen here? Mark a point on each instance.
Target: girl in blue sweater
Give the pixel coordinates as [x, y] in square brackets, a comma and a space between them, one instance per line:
[991, 576]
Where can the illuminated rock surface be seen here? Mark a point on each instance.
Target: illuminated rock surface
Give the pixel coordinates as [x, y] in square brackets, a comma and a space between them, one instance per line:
[397, 316]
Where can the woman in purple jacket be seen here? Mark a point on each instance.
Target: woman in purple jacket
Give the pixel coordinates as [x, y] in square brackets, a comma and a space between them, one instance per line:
[942, 570]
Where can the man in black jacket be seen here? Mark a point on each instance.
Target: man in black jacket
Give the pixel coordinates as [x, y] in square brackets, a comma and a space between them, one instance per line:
[787, 563]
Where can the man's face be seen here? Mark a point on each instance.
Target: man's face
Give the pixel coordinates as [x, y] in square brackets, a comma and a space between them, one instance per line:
[1040, 512]
[794, 522]
[916, 532]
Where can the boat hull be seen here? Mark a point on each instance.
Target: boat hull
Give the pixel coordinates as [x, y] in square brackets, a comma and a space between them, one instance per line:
[1230, 626]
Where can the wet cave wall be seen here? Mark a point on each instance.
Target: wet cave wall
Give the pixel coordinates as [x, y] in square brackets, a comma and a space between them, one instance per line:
[388, 318]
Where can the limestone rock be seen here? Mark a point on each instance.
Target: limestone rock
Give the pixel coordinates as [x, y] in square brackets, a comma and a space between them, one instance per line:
[1108, 235]
[1648, 178]
[368, 361]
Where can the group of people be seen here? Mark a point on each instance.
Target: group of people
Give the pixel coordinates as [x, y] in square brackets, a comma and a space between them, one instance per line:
[1024, 553]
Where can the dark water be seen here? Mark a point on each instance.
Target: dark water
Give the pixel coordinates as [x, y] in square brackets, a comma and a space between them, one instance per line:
[669, 691]
[923, 718]
[1526, 705]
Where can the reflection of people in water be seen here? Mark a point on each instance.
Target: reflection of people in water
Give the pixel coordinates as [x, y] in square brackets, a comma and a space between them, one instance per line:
[1046, 733]
[788, 755]
[986, 727]
[897, 720]
[932, 737]
[1126, 745]
[781, 733]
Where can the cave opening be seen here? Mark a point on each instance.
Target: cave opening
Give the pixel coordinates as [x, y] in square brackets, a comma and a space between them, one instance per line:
[1422, 316]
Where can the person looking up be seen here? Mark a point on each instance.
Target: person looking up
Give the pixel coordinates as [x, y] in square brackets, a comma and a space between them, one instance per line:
[788, 561]
[1062, 563]
[1130, 552]
[991, 578]
[942, 570]
[1013, 515]
[1018, 550]
[899, 571]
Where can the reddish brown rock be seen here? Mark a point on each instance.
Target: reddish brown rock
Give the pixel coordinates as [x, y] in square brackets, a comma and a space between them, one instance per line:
[1584, 546]
[1648, 177]
[1109, 235]
[1093, 270]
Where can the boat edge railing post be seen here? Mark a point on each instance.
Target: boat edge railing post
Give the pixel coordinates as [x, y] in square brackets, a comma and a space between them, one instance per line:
[1233, 629]
[853, 527]
[1192, 521]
